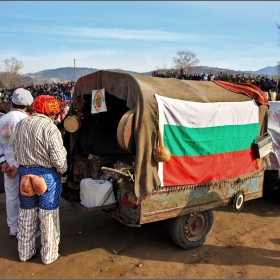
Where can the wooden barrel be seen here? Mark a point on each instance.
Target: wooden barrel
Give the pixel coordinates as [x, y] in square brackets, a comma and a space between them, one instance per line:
[72, 123]
[125, 132]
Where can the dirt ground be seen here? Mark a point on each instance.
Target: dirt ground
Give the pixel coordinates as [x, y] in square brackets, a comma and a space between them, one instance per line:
[94, 245]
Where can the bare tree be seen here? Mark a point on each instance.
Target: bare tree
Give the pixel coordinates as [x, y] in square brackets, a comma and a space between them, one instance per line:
[1, 84]
[12, 67]
[185, 60]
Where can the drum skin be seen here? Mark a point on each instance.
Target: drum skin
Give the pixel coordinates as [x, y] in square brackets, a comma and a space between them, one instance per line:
[125, 132]
[72, 123]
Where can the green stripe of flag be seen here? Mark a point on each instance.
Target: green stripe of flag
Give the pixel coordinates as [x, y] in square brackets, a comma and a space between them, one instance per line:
[185, 141]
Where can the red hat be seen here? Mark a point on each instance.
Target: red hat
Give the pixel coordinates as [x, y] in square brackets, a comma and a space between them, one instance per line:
[63, 103]
[46, 104]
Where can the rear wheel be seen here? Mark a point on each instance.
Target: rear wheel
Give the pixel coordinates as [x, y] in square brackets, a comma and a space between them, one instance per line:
[191, 231]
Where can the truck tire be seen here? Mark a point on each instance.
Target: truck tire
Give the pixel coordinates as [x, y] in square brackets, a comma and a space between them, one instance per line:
[191, 231]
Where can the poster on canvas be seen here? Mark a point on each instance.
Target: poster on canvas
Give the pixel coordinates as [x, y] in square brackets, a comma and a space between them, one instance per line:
[98, 103]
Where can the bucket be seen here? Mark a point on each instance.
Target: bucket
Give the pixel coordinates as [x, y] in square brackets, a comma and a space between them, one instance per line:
[72, 123]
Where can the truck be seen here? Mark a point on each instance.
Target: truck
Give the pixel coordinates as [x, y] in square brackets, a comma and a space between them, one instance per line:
[171, 150]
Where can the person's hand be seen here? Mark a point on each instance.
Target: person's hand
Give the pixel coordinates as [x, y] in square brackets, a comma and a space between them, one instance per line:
[11, 173]
[5, 167]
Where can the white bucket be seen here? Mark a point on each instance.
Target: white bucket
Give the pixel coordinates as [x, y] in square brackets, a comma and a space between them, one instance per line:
[96, 192]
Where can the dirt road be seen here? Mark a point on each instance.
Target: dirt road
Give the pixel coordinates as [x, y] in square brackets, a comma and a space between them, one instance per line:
[93, 245]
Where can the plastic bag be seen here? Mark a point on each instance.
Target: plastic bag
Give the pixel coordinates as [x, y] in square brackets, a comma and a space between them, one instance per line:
[96, 192]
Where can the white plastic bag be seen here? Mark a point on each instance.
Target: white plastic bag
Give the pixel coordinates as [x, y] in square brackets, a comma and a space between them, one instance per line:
[96, 192]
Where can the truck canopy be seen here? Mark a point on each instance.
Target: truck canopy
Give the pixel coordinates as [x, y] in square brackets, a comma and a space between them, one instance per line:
[124, 92]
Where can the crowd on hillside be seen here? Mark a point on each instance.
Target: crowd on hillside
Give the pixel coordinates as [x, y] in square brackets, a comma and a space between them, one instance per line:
[269, 85]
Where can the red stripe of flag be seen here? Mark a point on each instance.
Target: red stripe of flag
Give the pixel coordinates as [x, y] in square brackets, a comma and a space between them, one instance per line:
[203, 169]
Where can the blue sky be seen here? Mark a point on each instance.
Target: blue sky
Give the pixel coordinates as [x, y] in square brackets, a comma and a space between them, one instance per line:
[139, 35]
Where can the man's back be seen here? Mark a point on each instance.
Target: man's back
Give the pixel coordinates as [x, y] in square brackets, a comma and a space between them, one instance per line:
[38, 142]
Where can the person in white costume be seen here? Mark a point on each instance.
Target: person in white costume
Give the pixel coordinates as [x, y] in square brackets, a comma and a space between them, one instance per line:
[21, 98]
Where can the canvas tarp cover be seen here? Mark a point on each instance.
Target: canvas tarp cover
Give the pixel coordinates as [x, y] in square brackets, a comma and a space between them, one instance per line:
[139, 92]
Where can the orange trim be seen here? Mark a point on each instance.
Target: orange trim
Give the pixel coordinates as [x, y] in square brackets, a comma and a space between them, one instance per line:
[248, 89]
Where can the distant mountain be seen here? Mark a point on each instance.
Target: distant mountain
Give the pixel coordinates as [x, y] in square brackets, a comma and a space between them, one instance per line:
[68, 74]
[270, 70]
[60, 74]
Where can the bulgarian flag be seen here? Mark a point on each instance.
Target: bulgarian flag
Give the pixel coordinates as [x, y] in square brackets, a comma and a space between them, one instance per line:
[207, 141]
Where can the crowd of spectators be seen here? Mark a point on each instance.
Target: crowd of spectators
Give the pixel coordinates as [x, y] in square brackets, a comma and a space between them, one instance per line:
[267, 84]
[63, 91]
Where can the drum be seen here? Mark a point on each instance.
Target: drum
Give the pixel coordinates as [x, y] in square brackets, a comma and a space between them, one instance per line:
[72, 123]
[125, 132]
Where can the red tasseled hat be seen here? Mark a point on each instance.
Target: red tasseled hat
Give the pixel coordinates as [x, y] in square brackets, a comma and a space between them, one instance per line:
[63, 103]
